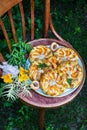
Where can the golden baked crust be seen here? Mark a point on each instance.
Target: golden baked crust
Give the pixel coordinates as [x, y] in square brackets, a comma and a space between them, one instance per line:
[62, 70]
[35, 71]
[72, 73]
[55, 82]
[39, 53]
[64, 54]
[50, 62]
[51, 84]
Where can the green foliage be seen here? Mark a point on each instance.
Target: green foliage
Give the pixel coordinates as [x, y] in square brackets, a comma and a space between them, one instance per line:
[17, 57]
[17, 22]
[3, 46]
[22, 118]
[49, 128]
[69, 80]
[42, 65]
[66, 1]
[1, 89]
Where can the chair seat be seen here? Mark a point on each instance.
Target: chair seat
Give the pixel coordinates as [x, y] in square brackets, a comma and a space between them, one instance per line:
[40, 101]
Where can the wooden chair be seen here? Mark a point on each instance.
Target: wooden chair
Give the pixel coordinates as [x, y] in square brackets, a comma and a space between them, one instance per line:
[37, 100]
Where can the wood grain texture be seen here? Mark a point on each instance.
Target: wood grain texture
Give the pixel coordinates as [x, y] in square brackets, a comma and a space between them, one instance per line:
[40, 101]
[6, 5]
[1, 58]
[32, 18]
[5, 34]
[41, 118]
[46, 17]
[54, 32]
[12, 26]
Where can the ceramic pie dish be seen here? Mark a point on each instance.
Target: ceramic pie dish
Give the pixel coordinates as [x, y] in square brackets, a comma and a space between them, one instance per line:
[64, 69]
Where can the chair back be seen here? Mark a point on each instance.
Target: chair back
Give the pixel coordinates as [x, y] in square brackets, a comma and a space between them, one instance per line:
[6, 8]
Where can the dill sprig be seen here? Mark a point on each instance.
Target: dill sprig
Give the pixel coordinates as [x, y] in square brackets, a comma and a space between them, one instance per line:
[11, 90]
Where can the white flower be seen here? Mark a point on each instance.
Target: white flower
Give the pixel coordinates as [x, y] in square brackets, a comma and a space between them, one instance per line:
[9, 69]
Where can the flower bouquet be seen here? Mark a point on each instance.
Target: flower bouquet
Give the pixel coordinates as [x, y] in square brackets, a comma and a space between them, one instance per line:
[14, 72]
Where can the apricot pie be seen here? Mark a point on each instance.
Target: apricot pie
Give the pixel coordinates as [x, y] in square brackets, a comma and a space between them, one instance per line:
[51, 84]
[55, 69]
[68, 75]
[35, 71]
[64, 54]
[39, 53]
[72, 73]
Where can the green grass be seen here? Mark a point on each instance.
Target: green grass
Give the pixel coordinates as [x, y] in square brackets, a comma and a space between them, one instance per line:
[70, 21]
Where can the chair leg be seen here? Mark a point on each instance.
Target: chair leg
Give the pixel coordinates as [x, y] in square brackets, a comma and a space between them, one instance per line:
[41, 118]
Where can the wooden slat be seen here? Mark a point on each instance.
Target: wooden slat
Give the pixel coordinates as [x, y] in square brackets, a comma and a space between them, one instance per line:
[23, 20]
[1, 58]
[41, 118]
[0, 73]
[12, 26]
[46, 17]
[6, 35]
[54, 32]
[5, 5]
[57, 35]
[32, 18]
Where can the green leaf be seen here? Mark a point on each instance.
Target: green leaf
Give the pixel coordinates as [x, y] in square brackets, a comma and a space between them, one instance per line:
[42, 65]
[28, 47]
[17, 56]
[69, 80]
[1, 91]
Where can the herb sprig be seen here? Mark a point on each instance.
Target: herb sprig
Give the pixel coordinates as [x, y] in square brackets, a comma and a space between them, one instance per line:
[42, 65]
[17, 57]
[69, 80]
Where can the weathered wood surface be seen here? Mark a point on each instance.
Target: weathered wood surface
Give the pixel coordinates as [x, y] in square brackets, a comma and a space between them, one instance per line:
[12, 26]
[6, 5]
[32, 18]
[46, 17]
[5, 35]
[6, 8]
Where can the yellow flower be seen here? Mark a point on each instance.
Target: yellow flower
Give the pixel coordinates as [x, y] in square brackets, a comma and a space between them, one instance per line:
[23, 74]
[7, 78]
[23, 71]
[23, 77]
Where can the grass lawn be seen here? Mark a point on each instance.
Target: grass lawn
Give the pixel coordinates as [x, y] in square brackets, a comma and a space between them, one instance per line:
[70, 21]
